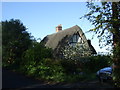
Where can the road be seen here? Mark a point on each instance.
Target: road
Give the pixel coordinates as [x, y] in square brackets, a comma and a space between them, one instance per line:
[18, 81]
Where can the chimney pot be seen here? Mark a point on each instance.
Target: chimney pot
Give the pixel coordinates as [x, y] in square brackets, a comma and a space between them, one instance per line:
[59, 28]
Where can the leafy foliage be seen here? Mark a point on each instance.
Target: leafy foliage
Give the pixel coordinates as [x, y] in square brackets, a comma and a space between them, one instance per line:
[106, 19]
[65, 70]
[0, 44]
[100, 16]
[34, 59]
[71, 66]
[36, 53]
[76, 52]
[95, 63]
[46, 69]
[15, 41]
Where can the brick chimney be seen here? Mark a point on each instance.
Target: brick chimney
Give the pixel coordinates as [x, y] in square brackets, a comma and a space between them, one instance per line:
[59, 28]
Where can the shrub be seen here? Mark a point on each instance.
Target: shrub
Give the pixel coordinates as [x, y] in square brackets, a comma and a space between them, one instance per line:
[76, 52]
[71, 66]
[95, 63]
[50, 69]
[36, 53]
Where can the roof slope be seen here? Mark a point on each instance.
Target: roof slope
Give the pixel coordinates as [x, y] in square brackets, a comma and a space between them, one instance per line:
[53, 40]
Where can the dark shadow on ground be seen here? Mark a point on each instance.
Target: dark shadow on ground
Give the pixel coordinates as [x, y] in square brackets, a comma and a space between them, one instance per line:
[16, 80]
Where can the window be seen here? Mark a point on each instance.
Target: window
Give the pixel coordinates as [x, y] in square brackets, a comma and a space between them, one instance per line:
[75, 38]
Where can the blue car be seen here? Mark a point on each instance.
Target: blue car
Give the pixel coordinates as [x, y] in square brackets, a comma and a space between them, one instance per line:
[104, 74]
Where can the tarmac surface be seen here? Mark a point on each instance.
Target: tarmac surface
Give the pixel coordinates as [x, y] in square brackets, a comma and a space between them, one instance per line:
[13, 80]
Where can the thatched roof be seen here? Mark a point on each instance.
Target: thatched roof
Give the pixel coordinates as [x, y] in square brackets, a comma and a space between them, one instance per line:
[54, 40]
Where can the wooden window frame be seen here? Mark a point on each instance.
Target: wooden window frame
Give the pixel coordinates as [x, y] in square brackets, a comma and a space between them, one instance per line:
[76, 38]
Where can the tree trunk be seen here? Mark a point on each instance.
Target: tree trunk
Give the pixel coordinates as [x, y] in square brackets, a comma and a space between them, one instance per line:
[116, 43]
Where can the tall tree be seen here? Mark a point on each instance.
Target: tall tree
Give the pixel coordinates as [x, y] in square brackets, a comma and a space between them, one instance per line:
[15, 41]
[105, 16]
[0, 43]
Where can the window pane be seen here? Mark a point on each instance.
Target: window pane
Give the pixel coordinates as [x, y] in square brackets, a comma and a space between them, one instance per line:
[79, 39]
[74, 38]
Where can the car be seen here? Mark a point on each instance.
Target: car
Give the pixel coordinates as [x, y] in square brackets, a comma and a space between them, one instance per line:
[104, 74]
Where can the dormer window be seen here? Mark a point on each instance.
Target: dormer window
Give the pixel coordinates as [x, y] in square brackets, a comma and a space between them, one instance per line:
[75, 39]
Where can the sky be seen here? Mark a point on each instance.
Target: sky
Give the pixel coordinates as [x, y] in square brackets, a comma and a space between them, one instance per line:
[41, 18]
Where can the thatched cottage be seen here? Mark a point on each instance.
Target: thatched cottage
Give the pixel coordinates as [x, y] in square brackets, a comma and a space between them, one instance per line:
[68, 37]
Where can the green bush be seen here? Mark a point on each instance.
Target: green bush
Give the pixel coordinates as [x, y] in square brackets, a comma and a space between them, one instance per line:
[95, 63]
[53, 70]
[71, 66]
[65, 70]
[36, 53]
[43, 67]
[50, 69]
[46, 69]
[59, 70]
